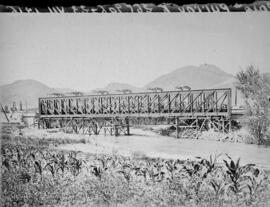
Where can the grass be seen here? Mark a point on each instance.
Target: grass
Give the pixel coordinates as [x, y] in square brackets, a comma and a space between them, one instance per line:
[241, 135]
[9, 138]
[33, 174]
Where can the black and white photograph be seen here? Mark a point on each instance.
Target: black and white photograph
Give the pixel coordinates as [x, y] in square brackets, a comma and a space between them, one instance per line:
[135, 109]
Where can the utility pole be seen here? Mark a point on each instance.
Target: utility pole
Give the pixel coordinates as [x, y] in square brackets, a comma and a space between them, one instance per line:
[3, 110]
[21, 108]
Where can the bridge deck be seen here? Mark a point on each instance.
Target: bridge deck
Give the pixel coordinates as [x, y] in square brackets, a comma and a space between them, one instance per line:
[146, 115]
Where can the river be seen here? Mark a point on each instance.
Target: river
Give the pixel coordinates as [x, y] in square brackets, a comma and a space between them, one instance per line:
[153, 145]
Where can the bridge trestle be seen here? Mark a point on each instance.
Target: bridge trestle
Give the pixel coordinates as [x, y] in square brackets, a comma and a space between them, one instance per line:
[89, 126]
[192, 127]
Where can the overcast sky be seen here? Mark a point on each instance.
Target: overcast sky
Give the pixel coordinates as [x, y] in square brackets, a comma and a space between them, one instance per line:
[86, 51]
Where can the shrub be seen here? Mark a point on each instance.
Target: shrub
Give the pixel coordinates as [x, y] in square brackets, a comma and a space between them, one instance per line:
[255, 89]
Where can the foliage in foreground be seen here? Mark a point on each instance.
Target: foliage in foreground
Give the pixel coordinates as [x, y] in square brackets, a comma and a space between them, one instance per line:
[255, 88]
[34, 176]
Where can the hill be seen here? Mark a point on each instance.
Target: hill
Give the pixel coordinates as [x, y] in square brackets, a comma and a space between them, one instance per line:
[27, 91]
[196, 77]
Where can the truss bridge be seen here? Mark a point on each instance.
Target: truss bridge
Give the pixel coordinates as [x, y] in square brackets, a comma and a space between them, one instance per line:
[115, 113]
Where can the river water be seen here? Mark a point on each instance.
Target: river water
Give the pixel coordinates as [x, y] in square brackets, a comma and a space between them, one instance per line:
[153, 145]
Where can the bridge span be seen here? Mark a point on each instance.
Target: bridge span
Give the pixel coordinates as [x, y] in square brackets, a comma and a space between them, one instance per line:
[115, 113]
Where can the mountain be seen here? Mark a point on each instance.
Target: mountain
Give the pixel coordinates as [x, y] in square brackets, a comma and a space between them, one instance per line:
[27, 91]
[229, 83]
[115, 87]
[196, 77]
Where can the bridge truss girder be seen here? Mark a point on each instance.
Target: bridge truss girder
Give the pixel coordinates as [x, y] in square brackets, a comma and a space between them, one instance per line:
[188, 111]
[167, 103]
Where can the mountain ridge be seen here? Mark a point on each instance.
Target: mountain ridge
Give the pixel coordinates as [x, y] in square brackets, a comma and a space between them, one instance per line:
[197, 77]
[28, 91]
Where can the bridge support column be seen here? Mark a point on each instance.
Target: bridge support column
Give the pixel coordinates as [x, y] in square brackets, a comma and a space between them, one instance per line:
[39, 123]
[116, 130]
[223, 126]
[127, 125]
[230, 125]
[177, 127]
[95, 128]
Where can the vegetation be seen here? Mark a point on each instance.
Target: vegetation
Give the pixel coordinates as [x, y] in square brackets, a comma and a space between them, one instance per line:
[35, 175]
[256, 90]
[9, 138]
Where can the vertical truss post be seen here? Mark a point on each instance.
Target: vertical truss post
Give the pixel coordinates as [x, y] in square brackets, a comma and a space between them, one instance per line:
[180, 102]
[159, 103]
[148, 103]
[203, 102]
[128, 98]
[119, 105]
[138, 106]
[101, 105]
[110, 102]
[235, 99]
[230, 109]
[169, 103]
[191, 102]
[216, 100]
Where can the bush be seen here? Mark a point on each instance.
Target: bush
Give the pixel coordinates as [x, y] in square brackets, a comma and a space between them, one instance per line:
[255, 89]
[258, 127]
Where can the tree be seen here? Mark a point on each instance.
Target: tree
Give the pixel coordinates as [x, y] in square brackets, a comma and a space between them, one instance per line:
[256, 90]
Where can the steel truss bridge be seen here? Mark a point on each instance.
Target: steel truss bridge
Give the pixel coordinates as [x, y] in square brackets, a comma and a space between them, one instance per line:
[115, 113]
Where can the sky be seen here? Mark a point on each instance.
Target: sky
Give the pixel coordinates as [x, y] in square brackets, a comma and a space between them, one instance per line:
[87, 51]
